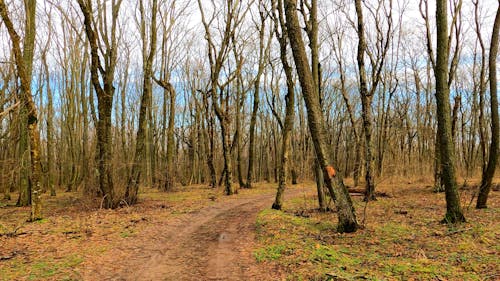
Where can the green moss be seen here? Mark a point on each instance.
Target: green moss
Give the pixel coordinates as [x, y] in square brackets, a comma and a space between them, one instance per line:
[72, 261]
[126, 234]
[339, 256]
[270, 253]
[47, 269]
[41, 221]
[41, 270]
[423, 268]
[393, 230]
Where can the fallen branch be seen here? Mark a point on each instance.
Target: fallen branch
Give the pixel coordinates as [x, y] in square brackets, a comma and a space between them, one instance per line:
[12, 255]
[361, 191]
[457, 231]
[12, 234]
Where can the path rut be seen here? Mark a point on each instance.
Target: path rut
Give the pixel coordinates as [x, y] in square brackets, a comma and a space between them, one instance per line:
[214, 243]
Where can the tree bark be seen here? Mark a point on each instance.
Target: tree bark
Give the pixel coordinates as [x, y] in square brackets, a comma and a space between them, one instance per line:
[453, 209]
[255, 107]
[488, 174]
[50, 128]
[169, 169]
[24, 62]
[105, 95]
[345, 208]
[366, 104]
[140, 147]
[290, 105]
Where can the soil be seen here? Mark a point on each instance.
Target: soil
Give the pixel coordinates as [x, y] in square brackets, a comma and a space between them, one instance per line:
[213, 243]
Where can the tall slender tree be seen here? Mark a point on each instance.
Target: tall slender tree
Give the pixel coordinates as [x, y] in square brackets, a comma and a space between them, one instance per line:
[233, 13]
[280, 24]
[489, 172]
[148, 49]
[368, 91]
[263, 55]
[447, 150]
[345, 208]
[102, 76]
[24, 66]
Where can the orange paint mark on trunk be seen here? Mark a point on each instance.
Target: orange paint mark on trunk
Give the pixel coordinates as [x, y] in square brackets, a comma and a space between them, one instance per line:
[331, 171]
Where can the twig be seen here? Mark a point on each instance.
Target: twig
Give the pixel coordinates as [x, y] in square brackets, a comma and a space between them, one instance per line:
[472, 199]
[102, 201]
[12, 233]
[456, 231]
[12, 255]
[492, 276]
[364, 214]
[125, 203]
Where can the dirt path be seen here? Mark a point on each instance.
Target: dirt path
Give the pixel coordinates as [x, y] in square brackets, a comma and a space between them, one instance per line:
[215, 243]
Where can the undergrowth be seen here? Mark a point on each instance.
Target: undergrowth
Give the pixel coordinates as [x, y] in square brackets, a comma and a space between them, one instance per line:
[402, 240]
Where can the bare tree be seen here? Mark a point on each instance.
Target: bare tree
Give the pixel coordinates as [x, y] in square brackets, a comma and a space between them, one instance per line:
[263, 55]
[102, 71]
[489, 172]
[453, 210]
[345, 208]
[232, 17]
[366, 92]
[280, 24]
[24, 65]
[49, 118]
[451, 68]
[148, 55]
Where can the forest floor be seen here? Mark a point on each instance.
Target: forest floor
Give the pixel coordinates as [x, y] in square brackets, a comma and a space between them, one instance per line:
[197, 233]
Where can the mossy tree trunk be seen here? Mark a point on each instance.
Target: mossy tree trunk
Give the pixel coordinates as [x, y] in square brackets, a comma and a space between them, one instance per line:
[489, 172]
[453, 209]
[50, 128]
[24, 62]
[366, 91]
[345, 208]
[147, 88]
[103, 72]
[279, 24]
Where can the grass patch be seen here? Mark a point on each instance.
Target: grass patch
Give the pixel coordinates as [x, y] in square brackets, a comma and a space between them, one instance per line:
[270, 253]
[48, 269]
[126, 234]
[394, 245]
[333, 255]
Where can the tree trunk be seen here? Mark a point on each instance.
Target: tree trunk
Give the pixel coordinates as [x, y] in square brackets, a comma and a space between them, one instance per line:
[24, 62]
[488, 174]
[170, 169]
[366, 105]
[345, 208]
[50, 129]
[210, 146]
[24, 198]
[318, 175]
[453, 210]
[289, 110]
[140, 147]
[251, 145]
[312, 31]
[237, 136]
[226, 150]
[104, 97]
